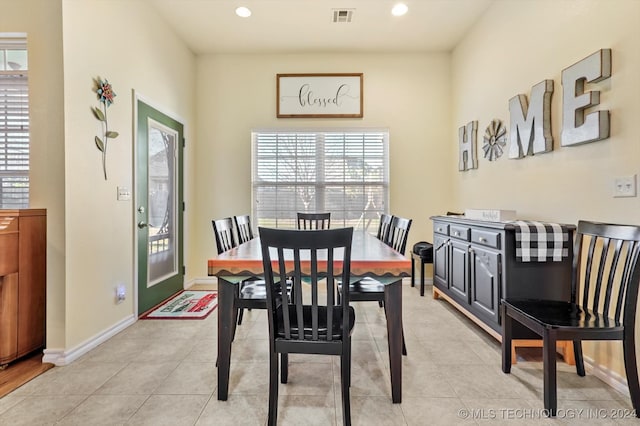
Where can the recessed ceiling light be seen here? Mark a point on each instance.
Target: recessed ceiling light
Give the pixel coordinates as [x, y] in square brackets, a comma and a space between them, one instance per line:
[399, 9]
[243, 12]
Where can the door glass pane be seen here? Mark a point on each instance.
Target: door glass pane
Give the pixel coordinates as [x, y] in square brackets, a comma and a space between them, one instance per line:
[162, 254]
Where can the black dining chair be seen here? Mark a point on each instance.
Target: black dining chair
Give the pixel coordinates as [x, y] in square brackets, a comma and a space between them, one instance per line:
[314, 220]
[223, 233]
[370, 289]
[383, 227]
[305, 325]
[251, 292]
[604, 295]
[243, 228]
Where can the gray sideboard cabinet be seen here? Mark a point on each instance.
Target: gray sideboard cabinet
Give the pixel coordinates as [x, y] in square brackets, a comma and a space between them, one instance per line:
[475, 266]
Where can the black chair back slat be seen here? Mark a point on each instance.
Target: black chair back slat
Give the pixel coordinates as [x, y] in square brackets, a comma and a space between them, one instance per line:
[314, 295]
[223, 231]
[310, 221]
[283, 277]
[611, 279]
[384, 226]
[243, 228]
[330, 283]
[299, 300]
[601, 274]
[632, 282]
[587, 278]
[631, 260]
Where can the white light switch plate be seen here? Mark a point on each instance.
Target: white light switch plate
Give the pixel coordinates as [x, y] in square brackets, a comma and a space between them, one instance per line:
[124, 194]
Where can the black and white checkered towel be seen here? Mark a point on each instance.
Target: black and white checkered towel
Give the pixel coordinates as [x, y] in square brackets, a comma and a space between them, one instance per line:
[541, 242]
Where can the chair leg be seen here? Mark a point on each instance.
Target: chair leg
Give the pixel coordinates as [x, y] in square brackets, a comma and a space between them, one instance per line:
[345, 369]
[549, 373]
[240, 312]
[631, 368]
[273, 389]
[577, 354]
[380, 303]
[507, 326]
[413, 271]
[284, 368]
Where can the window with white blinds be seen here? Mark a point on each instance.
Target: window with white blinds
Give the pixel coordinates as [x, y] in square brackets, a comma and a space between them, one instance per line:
[342, 172]
[14, 124]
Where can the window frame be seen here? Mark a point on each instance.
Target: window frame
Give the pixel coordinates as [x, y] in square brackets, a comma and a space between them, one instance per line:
[378, 189]
[15, 138]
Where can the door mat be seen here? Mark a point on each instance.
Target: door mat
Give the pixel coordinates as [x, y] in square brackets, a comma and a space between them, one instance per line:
[188, 304]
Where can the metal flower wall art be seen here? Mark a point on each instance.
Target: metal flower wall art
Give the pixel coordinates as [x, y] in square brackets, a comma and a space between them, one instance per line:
[105, 96]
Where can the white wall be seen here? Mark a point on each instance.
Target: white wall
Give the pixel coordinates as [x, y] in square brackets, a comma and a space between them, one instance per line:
[517, 45]
[407, 93]
[44, 44]
[127, 43]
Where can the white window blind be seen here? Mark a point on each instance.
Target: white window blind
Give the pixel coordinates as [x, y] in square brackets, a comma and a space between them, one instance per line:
[342, 172]
[14, 125]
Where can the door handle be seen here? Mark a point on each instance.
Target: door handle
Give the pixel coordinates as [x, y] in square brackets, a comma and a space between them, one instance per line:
[143, 224]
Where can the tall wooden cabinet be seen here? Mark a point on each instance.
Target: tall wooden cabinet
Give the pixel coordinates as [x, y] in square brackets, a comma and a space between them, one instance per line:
[475, 266]
[22, 282]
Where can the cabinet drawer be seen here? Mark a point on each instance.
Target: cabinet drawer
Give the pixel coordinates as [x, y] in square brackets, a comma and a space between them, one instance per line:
[459, 232]
[441, 228]
[486, 238]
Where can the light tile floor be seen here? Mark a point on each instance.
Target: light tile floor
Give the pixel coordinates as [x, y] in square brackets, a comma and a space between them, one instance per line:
[163, 372]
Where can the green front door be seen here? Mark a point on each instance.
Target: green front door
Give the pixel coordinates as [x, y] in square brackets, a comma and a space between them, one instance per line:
[159, 206]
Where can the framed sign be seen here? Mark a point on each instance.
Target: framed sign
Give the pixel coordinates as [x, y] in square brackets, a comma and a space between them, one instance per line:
[319, 95]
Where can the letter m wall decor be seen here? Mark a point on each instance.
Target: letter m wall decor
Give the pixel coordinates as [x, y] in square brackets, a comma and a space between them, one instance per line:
[530, 131]
[319, 95]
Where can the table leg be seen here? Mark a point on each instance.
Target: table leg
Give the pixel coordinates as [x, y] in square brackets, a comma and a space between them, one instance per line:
[413, 270]
[422, 277]
[393, 311]
[226, 324]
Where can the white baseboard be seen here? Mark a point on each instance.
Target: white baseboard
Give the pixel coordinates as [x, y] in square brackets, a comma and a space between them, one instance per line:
[207, 280]
[427, 281]
[608, 376]
[62, 357]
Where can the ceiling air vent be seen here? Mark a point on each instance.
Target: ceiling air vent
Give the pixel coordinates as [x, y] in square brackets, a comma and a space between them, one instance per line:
[342, 15]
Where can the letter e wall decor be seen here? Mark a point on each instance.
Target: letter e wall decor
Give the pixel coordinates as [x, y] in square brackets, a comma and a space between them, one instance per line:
[578, 127]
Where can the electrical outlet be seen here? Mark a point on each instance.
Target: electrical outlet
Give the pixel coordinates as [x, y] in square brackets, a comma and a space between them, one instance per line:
[121, 293]
[624, 186]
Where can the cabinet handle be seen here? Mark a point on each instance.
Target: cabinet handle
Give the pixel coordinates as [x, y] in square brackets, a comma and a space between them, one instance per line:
[482, 240]
[471, 250]
[456, 233]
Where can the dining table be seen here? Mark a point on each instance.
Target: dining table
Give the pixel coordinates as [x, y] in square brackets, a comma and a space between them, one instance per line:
[369, 257]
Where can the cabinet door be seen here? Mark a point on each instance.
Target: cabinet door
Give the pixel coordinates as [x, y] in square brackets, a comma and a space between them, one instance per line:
[485, 283]
[440, 261]
[459, 270]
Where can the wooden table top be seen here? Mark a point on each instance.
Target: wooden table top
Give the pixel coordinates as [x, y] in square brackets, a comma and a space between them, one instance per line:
[369, 256]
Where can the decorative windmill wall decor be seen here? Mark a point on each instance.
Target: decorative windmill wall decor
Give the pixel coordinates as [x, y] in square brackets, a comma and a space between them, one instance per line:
[495, 139]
